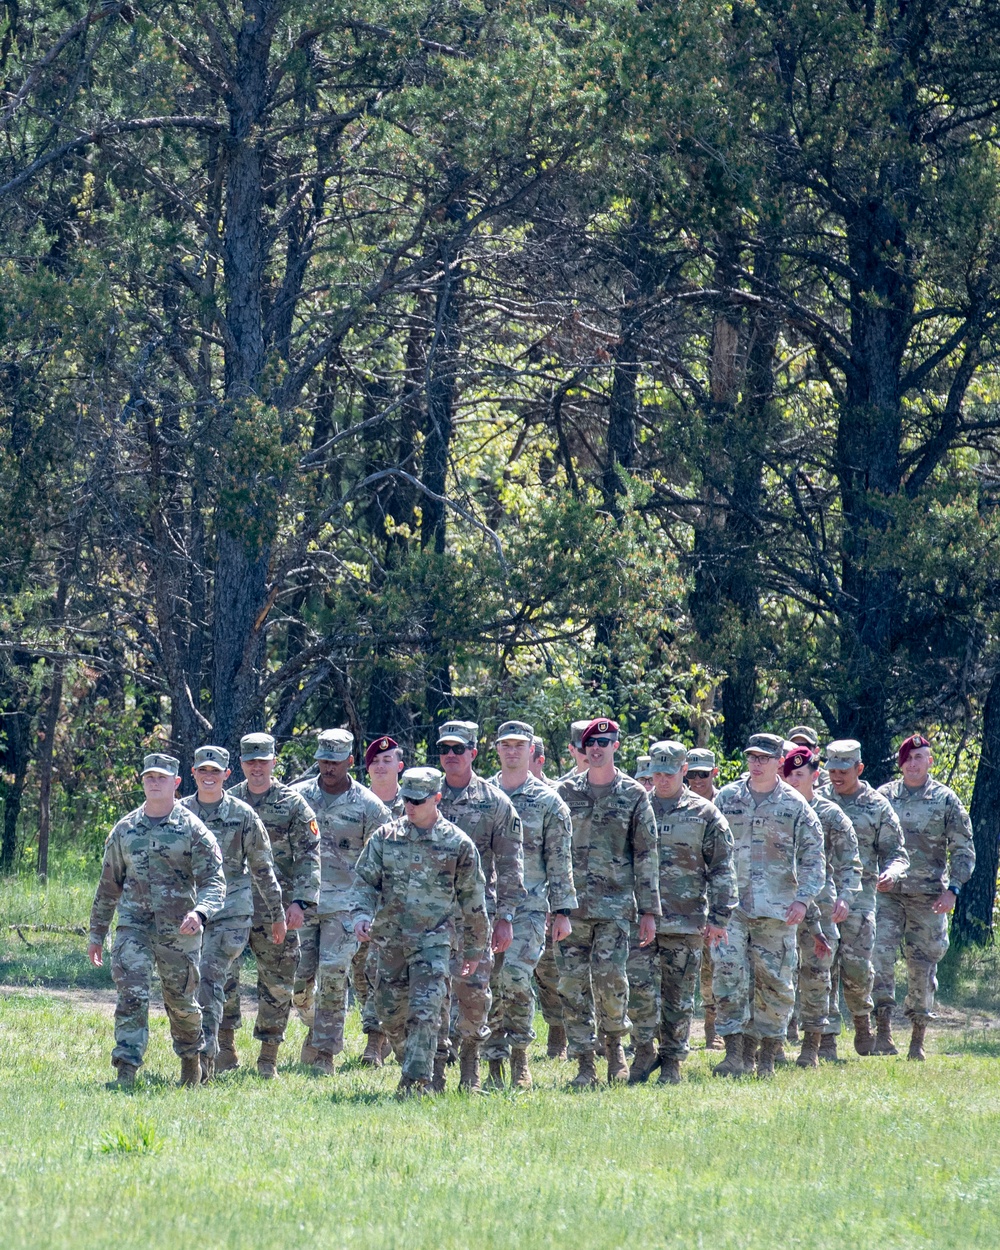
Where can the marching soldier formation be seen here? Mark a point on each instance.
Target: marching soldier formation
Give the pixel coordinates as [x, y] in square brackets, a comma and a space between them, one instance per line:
[453, 904]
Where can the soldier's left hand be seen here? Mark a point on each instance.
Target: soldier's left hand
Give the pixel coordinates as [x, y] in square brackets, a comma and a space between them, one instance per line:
[279, 931]
[944, 903]
[821, 947]
[503, 935]
[295, 916]
[191, 924]
[714, 934]
[795, 914]
[468, 967]
[562, 927]
[647, 929]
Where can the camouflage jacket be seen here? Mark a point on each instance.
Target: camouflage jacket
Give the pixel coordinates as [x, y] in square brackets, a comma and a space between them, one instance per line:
[615, 864]
[487, 815]
[937, 834]
[779, 848]
[156, 873]
[246, 855]
[880, 838]
[346, 822]
[697, 869]
[548, 845]
[840, 846]
[291, 825]
[412, 883]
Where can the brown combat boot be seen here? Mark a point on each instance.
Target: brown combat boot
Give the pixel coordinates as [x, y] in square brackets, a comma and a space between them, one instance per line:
[751, 1045]
[617, 1066]
[792, 1032]
[520, 1073]
[126, 1074]
[408, 1087]
[765, 1060]
[308, 1054]
[732, 1065]
[469, 1068]
[916, 1050]
[374, 1050]
[809, 1055]
[883, 1033]
[712, 1040]
[207, 1068]
[556, 1047]
[191, 1070]
[322, 1065]
[670, 1072]
[587, 1073]
[828, 1048]
[863, 1039]
[644, 1064]
[438, 1080]
[495, 1078]
[267, 1060]
[781, 1060]
[227, 1059]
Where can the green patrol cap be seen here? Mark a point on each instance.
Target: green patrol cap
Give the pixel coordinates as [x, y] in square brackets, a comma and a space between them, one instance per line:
[212, 757]
[667, 757]
[765, 744]
[642, 767]
[701, 760]
[334, 744]
[464, 731]
[843, 754]
[166, 764]
[516, 730]
[576, 733]
[256, 747]
[420, 783]
[807, 734]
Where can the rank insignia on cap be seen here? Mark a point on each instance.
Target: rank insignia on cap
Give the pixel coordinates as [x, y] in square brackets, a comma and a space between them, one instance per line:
[383, 744]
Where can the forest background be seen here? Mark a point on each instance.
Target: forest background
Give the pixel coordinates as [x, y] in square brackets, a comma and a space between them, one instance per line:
[371, 364]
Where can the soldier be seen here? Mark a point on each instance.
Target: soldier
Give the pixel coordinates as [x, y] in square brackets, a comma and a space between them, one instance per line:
[410, 880]
[162, 869]
[883, 858]
[642, 773]
[347, 813]
[914, 909]
[779, 869]
[548, 882]
[536, 764]
[383, 764]
[291, 825]
[577, 753]
[701, 775]
[616, 873]
[246, 855]
[488, 817]
[819, 934]
[697, 897]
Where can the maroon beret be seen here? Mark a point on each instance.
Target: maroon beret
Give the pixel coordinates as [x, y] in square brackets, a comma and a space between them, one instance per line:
[913, 743]
[602, 726]
[797, 759]
[377, 747]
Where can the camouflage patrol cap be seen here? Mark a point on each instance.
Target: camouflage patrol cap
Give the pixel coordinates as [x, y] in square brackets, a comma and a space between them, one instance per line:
[418, 784]
[576, 733]
[385, 743]
[464, 731]
[642, 767]
[603, 725]
[700, 760]
[808, 735]
[516, 731]
[334, 744]
[765, 744]
[169, 765]
[667, 757]
[256, 747]
[843, 754]
[212, 757]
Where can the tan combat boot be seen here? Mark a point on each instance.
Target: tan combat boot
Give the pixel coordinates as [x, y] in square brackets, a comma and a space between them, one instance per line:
[883, 1033]
[617, 1066]
[828, 1048]
[809, 1055]
[227, 1059]
[556, 1047]
[469, 1068]
[191, 1070]
[670, 1072]
[520, 1073]
[863, 1039]
[308, 1054]
[207, 1068]
[712, 1040]
[267, 1060]
[765, 1060]
[781, 1060]
[644, 1064]
[732, 1065]
[126, 1074]
[495, 1079]
[374, 1050]
[438, 1080]
[322, 1065]
[408, 1087]
[751, 1046]
[587, 1074]
[916, 1050]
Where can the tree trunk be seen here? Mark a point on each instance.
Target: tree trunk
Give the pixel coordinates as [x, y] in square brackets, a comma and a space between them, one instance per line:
[973, 920]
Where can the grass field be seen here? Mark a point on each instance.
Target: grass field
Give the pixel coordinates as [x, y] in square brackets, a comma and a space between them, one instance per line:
[868, 1153]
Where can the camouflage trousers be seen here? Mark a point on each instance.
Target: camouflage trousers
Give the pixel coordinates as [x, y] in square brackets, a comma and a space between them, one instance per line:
[369, 1012]
[593, 982]
[276, 967]
[135, 953]
[908, 919]
[320, 992]
[812, 998]
[513, 1010]
[411, 989]
[662, 978]
[222, 944]
[467, 1008]
[852, 968]
[707, 993]
[760, 952]
[547, 981]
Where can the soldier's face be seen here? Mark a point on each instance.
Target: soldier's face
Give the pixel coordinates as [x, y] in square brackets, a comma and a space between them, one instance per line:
[457, 767]
[385, 767]
[333, 773]
[579, 756]
[422, 812]
[845, 780]
[210, 782]
[601, 750]
[701, 783]
[763, 771]
[801, 779]
[258, 774]
[917, 766]
[514, 754]
[668, 785]
[159, 785]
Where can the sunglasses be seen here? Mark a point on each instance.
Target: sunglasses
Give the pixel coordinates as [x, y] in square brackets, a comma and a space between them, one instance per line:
[600, 742]
[451, 748]
[698, 772]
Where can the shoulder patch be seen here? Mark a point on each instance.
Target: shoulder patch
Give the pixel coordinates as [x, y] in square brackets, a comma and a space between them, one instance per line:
[314, 828]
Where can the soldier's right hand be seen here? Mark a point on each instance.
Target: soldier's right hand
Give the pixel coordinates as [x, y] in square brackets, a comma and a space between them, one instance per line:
[95, 953]
[362, 930]
[469, 967]
[295, 916]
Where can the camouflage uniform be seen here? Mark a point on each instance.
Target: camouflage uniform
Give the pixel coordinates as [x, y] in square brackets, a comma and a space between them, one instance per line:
[938, 838]
[489, 818]
[548, 883]
[291, 825]
[697, 886]
[410, 883]
[156, 871]
[615, 868]
[364, 985]
[880, 848]
[328, 945]
[546, 981]
[779, 861]
[246, 854]
[843, 881]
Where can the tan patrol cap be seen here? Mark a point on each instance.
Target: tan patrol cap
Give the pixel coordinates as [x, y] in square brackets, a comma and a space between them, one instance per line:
[168, 765]
[464, 731]
[765, 744]
[806, 733]
[334, 744]
[700, 760]
[843, 754]
[516, 731]
[642, 767]
[667, 757]
[256, 747]
[420, 783]
[212, 757]
[576, 732]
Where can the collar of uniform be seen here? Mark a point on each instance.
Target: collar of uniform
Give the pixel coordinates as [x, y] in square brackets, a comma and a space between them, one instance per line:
[225, 803]
[615, 783]
[171, 817]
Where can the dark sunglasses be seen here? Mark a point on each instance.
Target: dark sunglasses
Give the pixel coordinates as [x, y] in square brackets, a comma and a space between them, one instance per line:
[452, 748]
[698, 772]
[600, 742]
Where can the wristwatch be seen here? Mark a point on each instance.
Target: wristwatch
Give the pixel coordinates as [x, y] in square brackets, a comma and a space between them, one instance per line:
[954, 889]
[508, 916]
